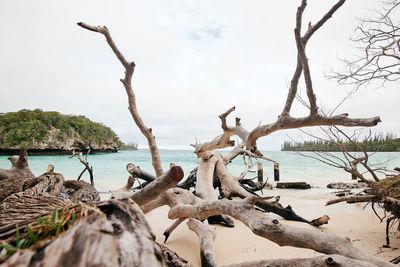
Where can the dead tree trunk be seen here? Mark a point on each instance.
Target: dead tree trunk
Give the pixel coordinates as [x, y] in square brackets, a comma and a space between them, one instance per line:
[186, 205]
[272, 229]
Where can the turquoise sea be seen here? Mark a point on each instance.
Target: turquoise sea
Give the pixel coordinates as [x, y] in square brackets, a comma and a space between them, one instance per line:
[110, 172]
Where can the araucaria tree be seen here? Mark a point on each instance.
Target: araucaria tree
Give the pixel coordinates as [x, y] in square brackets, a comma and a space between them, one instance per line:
[212, 172]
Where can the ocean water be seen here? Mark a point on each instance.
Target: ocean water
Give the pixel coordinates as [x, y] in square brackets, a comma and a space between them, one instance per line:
[110, 169]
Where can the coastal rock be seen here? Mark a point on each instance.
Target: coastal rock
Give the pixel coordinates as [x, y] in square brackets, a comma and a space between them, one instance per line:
[342, 185]
[293, 185]
[46, 133]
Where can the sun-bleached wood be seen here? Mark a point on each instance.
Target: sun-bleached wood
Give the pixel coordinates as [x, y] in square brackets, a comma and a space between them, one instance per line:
[127, 82]
[325, 260]
[207, 235]
[279, 233]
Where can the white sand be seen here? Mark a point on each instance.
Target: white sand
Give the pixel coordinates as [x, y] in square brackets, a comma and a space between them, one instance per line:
[238, 244]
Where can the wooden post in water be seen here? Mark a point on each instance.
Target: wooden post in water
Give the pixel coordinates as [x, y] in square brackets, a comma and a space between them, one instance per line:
[276, 171]
[260, 173]
[354, 167]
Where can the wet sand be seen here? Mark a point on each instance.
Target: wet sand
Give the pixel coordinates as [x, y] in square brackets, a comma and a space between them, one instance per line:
[238, 244]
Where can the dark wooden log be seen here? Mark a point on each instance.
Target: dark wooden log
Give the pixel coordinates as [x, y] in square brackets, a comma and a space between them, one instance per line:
[276, 171]
[260, 172]
[136, 172]
[320, 221]
[190, 181]
[286, 213]
[293, 185]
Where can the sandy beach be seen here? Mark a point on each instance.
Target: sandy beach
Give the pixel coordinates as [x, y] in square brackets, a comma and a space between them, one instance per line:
[238, 244]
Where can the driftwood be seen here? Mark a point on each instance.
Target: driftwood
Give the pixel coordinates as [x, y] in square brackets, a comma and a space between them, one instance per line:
[207, 236]
[325, 260]
[85, 163]
[212, 165]
[14, 179]
[158, 186]
[272, 229]
[118, 232]
[19, 167]
[293, 185]
[25, 207]
[81, 191]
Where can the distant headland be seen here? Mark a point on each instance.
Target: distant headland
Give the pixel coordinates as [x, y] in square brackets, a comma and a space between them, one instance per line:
[53, 133]
[379, 143]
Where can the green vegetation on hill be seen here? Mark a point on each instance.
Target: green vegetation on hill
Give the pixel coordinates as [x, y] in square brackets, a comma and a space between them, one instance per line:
[26, 128]
[379, 142]
[129, 146]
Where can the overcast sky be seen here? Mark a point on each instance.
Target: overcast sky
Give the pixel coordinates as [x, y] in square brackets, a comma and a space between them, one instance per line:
[194, 60]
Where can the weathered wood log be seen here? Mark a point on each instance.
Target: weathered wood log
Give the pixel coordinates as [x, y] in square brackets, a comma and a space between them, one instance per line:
[136, 172]
[19, 167]
[81, 191]
[155, 188]
[320, 221]
[13, 180]
[272, 229]
[293, 185]
[172, 258]
[171, 197]
[352, 199]
[25, 207]
[170, 229]
[205, 177]
[207, 236]
[230, 187]
[124, 190]
[119, 233]
[325, 260]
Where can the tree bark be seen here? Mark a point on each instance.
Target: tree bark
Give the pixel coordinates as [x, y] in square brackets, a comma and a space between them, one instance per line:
[127, 82]
[272, 229]
[115, 235]
[207, 236]
[325, 260]
[13, 180]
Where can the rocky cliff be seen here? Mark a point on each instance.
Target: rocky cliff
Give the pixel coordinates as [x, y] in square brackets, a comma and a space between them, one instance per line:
[53, 133]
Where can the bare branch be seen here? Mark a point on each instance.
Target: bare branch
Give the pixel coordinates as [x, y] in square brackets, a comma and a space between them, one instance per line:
[272, 229]
[127, 82]
[287, 122]
[378, 41]
[223, 140]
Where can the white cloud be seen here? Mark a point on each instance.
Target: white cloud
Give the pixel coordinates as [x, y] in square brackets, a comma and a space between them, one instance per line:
[195, 59]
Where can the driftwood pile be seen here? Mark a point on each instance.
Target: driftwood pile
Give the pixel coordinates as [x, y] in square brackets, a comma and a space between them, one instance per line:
[115, 233]
[385, 194]
[119, 232]
[117, 229]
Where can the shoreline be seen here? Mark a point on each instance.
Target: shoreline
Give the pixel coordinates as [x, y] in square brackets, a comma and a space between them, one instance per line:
[239, 244]
[52, 152]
